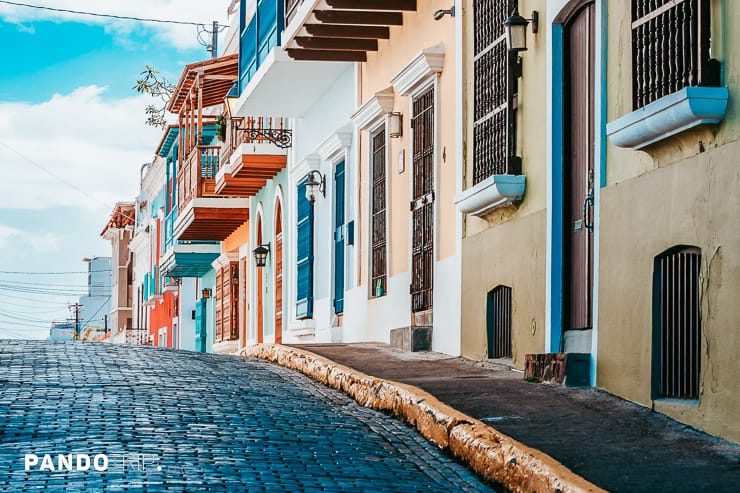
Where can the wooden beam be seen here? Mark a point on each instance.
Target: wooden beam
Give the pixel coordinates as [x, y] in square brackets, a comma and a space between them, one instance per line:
[354, 32]
[318, 43]
[327, 55]
[408, 5]
[360, 17]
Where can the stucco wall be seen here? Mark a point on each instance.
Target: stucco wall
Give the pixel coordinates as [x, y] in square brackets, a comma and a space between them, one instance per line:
[419, 31]
[694, 202]
[512, 254]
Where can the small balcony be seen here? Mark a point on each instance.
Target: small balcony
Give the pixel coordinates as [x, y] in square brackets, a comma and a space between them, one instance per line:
[339, 30]
[268, 75]
[202, 213]
[255, 150]
[185, 258]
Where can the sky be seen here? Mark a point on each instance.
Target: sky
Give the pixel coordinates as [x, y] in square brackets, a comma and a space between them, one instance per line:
[73, 138]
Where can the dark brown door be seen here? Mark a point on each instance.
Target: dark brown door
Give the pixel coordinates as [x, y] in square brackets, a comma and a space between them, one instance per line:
[422, 205]
[278, 276]
[578, 169]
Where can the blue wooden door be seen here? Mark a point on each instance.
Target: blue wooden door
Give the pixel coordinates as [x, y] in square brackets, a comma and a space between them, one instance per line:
[304, 261]
[339, 238]
[200, 325]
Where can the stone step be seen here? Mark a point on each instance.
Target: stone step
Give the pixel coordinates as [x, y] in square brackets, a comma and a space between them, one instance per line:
[412, 338]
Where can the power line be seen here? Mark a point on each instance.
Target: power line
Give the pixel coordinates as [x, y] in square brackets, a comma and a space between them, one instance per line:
[51, 273]
[97, 14]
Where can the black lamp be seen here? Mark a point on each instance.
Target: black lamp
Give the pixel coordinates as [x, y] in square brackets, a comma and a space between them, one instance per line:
[260, 255]
[516, 30]
[316, 183]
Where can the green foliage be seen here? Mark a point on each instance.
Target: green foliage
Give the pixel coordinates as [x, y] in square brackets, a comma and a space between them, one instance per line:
[221, 127]
[151, 82]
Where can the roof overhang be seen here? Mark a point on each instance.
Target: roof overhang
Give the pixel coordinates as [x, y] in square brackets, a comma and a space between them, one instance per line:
[217, 75]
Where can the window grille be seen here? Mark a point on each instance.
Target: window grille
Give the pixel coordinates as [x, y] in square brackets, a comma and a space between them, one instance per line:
[679, 322]
[494, 127]
[670, 48]
[379, 256]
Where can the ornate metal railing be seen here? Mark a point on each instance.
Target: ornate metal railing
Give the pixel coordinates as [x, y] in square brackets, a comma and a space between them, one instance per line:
[256, 130]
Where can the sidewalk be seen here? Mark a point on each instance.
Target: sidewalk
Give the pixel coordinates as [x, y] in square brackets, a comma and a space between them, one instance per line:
[617, 445]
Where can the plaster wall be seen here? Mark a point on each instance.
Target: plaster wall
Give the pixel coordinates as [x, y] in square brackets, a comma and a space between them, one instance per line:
[512, 254]
[694, 202]
[186, 323]
[531, 132]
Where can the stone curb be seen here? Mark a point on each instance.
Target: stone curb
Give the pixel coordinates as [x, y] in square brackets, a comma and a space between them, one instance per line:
[485, 450]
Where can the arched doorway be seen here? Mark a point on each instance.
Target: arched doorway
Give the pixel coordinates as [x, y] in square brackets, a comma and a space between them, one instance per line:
[278, 274]
[259, 284]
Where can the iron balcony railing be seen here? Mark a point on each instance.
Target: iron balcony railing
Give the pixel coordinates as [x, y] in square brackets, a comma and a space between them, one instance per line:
[255, 130]
[197, 178]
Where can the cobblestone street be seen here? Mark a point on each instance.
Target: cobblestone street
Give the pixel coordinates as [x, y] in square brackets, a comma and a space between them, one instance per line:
[180, 421]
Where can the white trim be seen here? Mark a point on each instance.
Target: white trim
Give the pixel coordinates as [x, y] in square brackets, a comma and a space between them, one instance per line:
[494, 192]
[224, 259]
[301, 169]
[372, 112]
[427, 63]
[335, 144]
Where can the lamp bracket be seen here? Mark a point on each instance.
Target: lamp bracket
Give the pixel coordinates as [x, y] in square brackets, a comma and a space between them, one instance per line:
[282, 138]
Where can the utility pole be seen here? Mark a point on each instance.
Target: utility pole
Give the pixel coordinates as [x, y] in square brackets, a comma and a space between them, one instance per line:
[214, 40]
[76, 308]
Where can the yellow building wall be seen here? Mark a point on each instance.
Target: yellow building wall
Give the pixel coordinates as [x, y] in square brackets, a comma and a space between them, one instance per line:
[683, 190]
[508, 246]
[419, 31]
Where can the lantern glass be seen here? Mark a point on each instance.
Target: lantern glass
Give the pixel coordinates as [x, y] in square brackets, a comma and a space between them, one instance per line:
[231, 98]
[260, 255]
[516, 37]
[311, 186]
[396, 125]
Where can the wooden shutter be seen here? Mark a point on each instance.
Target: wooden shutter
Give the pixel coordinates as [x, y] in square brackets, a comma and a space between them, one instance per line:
[304, 258]
[233, 290]
[379, 256]
[339, 238]
[219, 305]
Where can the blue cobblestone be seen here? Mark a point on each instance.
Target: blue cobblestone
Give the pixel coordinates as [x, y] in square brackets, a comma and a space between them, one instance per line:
[200, 423]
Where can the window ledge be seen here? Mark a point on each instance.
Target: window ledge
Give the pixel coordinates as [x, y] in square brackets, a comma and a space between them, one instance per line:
[669, 115]
[492, 193]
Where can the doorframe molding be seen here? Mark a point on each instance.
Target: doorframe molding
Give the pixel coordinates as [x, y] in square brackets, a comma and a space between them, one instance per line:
[558, 12]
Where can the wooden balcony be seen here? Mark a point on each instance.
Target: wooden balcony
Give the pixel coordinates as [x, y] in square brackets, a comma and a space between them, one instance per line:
[203, 214]
[340, 30]
[255, 150]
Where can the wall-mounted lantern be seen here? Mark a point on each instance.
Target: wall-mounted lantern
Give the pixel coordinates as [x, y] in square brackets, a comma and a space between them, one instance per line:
[396, 125]
[316, 183]
[230, 100]
[516, 30]
[260, 255]
[206, 293]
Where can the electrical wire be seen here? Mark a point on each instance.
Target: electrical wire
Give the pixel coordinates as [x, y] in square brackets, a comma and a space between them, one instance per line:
[51, 273]
[98, 14]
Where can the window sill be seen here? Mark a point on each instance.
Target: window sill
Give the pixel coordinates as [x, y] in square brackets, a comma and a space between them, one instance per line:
[669, 115]
[676, 402]
[492, 193]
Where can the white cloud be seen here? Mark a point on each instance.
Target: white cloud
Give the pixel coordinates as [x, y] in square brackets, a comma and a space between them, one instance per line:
[94, 146]
[18, 239]
[179, 36]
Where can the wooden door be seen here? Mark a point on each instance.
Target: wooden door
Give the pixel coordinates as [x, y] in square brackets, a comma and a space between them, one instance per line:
[578, 169]
[278, 276]
[422, 205]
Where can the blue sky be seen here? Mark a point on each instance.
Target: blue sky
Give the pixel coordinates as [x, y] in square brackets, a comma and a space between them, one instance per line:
[73, 138]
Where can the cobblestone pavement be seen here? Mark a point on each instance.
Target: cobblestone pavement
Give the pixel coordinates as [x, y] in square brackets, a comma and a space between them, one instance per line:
[180, 421]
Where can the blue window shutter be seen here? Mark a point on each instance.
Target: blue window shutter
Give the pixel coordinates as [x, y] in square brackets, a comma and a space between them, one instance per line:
[339, 238]
[304, 260]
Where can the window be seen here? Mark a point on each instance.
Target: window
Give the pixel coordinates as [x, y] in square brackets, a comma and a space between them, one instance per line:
[498, 321]
[378, 281]
[304, 257]
[494, 126]
[677, 329]
[670, 48]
